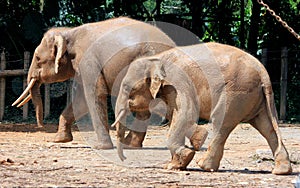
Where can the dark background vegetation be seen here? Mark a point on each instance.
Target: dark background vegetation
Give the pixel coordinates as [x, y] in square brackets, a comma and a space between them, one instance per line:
[242, 23]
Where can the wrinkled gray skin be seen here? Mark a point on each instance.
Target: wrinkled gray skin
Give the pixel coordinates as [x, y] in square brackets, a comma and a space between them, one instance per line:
[95, 53]
[212, 81]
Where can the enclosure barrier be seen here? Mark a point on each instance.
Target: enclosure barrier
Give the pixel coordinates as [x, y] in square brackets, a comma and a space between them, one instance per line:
[283, 83]
[18, 72]
[23, 72]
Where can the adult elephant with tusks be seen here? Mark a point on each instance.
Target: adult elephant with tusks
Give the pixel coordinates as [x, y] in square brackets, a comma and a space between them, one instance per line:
[93, 54]
[212, 81]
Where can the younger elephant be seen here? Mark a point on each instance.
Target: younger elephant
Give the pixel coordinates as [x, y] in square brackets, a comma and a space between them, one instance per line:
[212, 81]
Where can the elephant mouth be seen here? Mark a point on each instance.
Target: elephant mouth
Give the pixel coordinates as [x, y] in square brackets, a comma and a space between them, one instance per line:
[138, 108]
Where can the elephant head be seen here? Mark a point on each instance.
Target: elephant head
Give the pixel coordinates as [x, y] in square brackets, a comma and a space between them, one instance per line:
[50, 63]
[138, 88]
[152, 79]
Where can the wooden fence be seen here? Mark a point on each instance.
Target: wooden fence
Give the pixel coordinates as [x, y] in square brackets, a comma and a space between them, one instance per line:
[23, 72]
[283, 78]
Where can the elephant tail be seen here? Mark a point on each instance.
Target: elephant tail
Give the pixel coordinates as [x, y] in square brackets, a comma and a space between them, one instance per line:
[270, 104]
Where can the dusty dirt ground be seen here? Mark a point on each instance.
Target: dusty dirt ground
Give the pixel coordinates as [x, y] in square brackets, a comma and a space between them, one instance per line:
[29, 158]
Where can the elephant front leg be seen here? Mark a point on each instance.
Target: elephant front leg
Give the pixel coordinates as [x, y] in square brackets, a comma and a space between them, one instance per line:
[137, 132]
[181, 155]
[197, 135]
[135, 139]
[67, 118]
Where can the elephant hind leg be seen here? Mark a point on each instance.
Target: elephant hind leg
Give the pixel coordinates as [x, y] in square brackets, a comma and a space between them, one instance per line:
[211, 160]
[263, 124]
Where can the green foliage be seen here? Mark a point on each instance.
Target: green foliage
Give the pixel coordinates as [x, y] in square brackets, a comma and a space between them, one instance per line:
[74, 13]
[295, 6]
[22, 24]
[174, 7]
[149, 5]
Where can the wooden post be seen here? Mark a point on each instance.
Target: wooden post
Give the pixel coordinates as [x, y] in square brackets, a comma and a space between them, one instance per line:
[283, 82]
[47, 101]
[264, 56]
[26, 67]
[2, 86]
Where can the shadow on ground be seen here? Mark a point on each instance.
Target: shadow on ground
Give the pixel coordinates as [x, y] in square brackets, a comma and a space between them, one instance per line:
[48, 128]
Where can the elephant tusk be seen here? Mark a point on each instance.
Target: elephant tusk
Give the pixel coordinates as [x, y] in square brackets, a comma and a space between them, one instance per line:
[22, 96]
[121, 114]
[24, 101]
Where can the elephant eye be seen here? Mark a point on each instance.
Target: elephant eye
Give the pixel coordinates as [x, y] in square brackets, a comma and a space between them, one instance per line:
[37, 58]
[156, 78]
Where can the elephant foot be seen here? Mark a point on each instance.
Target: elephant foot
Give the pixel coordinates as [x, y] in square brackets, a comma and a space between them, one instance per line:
[104, 143]
[62, 137]
[208, 165]
[282, 165]
[103, 146]
[181, 159]
[282, 169]
[40, 125]
[107, 144]
[134, 139]
[198, 138]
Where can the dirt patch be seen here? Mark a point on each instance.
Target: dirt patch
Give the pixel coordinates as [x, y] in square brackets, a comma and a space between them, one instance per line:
[29, 158]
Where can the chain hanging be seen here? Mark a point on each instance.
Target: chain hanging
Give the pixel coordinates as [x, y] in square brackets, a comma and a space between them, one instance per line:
[278, 18]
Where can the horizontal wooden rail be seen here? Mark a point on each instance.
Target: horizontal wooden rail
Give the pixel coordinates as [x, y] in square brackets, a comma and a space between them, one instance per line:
[17, 72]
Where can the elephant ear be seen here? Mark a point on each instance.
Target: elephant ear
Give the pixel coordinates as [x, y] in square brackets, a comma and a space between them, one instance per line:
[157, 76]
[61, 47]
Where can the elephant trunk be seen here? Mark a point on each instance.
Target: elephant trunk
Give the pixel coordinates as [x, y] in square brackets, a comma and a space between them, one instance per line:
[120, 133]
[33, 88]
[32, 91]
[38, 104]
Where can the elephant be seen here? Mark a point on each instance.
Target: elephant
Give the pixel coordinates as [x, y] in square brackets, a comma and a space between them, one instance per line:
[212, 81]
[92, 54]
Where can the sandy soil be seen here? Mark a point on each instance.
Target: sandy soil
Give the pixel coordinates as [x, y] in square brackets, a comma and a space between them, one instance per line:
[29, 158]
